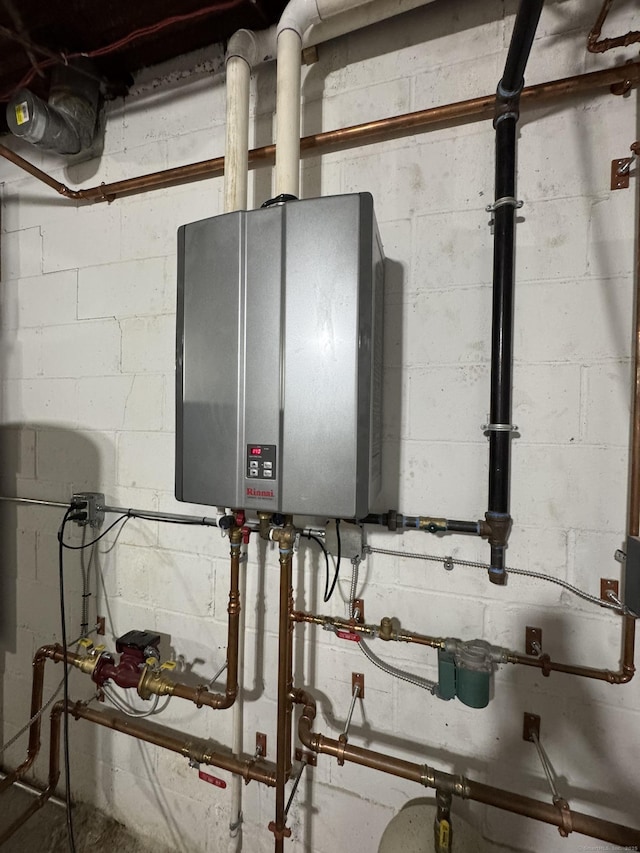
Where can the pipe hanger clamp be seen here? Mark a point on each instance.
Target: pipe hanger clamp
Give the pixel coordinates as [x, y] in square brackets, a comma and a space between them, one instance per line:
[499, 428]
[501, 202]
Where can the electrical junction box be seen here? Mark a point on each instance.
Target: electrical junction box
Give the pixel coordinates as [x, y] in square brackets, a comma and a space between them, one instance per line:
[631, 583]
[279, 358]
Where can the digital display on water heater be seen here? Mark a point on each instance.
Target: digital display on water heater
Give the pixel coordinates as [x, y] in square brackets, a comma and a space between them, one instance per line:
[261, 461]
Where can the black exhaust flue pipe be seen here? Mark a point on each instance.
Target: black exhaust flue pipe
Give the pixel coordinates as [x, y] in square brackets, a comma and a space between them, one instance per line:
[500, 429]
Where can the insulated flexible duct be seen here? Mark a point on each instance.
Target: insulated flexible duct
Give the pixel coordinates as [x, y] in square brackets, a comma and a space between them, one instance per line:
[65, 123]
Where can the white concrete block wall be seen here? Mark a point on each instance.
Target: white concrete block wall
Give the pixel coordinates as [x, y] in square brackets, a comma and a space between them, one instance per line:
[88, 322]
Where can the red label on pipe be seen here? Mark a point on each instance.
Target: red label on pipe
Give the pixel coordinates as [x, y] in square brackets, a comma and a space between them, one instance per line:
[212, 780]
[348, 635]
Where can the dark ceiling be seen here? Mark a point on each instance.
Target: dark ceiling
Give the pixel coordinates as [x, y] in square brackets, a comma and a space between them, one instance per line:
[121, 37]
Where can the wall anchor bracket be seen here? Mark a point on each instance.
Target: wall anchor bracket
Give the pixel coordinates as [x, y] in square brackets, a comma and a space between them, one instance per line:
[533, 641]
[609, 585]
[530, 726]
[357, 692]
[531, 732]
[261, 745]
[358, 607]
[620, 171]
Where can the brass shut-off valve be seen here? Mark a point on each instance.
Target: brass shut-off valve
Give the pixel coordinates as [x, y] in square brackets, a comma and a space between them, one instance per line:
[386, 631]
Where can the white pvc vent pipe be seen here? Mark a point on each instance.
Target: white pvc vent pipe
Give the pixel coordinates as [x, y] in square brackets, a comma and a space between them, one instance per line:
[237, 134]
[254, 48]
[288, 113]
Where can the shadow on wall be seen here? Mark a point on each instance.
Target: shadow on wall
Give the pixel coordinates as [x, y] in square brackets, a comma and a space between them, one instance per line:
[44, 463]
[587, 754]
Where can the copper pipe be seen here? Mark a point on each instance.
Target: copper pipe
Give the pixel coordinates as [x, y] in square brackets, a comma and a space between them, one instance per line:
[595, 46]
[56, 654]
[544, 662]
[347, 137]
[370, 630]
[458, 785]
[620, 676]
[200, 695]
[54, 775]
[198, 749]
[548, 666]
[160, 683]
[26, 166]
[285, 686]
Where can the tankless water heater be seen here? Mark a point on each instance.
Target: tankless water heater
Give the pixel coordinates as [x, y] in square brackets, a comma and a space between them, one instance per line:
[279, 358]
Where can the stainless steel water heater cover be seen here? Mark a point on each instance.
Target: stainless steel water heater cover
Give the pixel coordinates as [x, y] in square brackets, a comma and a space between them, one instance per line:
[279, 358]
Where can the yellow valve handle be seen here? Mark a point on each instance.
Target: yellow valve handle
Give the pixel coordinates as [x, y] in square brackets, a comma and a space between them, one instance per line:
[99, 649]
[85, 643]
[169, 664]
[445, 831]
[151, 661]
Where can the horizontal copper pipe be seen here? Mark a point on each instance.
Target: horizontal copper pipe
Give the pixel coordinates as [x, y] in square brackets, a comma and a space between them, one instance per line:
[459, 785]
[198, 749]
[370, 630]
[544, 662]
[54, 775]
[620, 676]
[334, 140]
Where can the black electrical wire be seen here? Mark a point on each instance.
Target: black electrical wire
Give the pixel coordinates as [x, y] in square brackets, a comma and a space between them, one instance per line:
[124, 517]
[324, 550]
[329, 592]
[63, 629]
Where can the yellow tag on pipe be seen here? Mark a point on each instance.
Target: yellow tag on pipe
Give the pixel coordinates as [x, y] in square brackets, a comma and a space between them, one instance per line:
[445, 829]
[22, 113]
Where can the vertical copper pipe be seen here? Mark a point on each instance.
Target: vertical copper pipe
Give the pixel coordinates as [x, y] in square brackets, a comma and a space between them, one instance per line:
[233, 636]
[159, 683]
[56, 654]
[285, 686]
[54, 775]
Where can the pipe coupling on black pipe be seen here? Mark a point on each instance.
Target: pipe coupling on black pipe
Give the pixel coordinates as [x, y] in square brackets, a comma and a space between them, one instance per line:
[496, 528]
[506, 107]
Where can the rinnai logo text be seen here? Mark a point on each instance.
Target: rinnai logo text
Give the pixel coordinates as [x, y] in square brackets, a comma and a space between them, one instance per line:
[259, 493]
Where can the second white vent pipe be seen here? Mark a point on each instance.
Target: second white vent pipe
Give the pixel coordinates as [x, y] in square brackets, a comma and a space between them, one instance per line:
[247, 49]
[296, 19]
